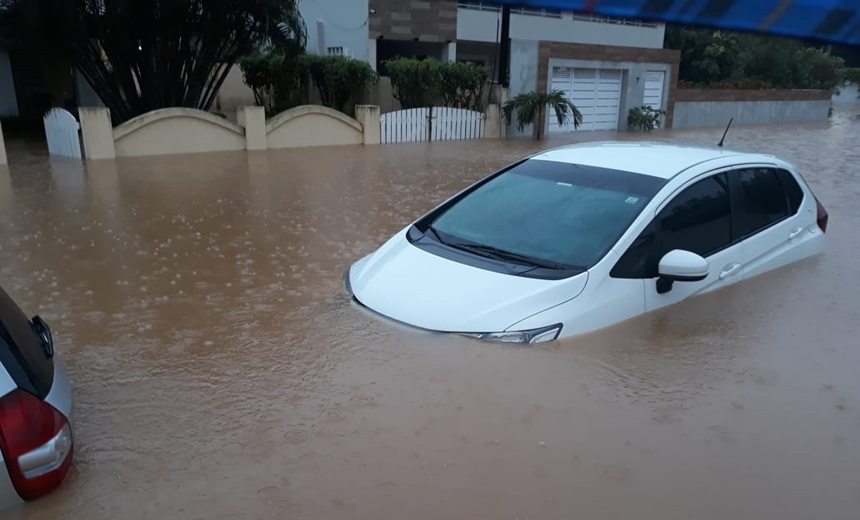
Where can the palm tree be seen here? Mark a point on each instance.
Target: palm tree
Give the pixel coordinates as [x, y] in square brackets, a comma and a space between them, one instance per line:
[530, 109]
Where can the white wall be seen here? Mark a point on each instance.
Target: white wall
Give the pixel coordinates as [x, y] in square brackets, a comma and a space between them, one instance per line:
[698, 114]
[336, 23]
[8, 100]
[524, 71]
[847, 94]
[482, 26]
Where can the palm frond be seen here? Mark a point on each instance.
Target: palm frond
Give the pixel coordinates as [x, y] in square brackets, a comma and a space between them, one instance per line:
[528, 106]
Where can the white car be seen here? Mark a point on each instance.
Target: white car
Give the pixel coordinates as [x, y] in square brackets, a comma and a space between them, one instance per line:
[581, 237]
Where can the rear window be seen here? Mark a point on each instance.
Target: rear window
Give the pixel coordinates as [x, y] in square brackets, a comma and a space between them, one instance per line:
[21, 350]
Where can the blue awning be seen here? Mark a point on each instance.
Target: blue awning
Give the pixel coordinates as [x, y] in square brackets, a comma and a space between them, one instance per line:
[834, 21]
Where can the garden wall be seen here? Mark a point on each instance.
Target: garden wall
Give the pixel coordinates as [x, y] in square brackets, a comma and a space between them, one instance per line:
[696, 108]
[183, 130]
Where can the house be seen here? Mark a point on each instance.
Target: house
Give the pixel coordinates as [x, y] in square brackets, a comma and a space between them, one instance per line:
[605, 65]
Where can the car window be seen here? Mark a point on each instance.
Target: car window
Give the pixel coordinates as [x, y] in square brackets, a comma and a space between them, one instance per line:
[698, 219]
[21, 350]
[762, 198]
[793, 191]
[566, 214]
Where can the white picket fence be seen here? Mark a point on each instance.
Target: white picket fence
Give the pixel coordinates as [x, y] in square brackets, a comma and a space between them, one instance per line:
[61, 129]
[431, 124]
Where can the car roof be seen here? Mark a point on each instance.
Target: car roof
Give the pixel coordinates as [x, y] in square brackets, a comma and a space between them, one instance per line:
[661, 160]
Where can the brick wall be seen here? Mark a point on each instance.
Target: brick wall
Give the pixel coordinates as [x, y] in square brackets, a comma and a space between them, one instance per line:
[699, 94]
[582, 51]
[429, 21]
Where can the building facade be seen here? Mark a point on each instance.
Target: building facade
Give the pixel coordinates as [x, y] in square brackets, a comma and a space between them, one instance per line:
[605, 65]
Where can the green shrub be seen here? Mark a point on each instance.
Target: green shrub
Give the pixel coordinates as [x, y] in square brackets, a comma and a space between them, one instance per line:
[425, 83]
[275, 79]
[461, 85]
[644, 118]
[339, 80]
[815, 69]
[850, 75]
[415, 83]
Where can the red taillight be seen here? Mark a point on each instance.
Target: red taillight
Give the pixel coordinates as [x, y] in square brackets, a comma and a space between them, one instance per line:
[822, 216]
[36, 441]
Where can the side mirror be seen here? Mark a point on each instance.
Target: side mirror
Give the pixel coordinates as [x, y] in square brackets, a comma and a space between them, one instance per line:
[680, 266]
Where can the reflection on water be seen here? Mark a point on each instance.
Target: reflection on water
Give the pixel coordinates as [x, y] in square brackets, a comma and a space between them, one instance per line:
[220, 371]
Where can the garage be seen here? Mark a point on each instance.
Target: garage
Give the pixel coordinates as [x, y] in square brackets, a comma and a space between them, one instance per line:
[595, 92]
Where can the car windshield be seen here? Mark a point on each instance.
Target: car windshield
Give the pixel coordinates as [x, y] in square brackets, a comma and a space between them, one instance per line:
[558, 215]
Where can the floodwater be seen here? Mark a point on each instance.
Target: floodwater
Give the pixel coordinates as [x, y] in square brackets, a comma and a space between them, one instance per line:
[221, 372]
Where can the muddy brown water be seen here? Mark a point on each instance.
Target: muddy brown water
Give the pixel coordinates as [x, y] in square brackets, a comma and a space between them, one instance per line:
[220, 371]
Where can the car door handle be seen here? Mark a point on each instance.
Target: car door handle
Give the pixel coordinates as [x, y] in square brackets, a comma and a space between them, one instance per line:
[730, 270]
[795, 233]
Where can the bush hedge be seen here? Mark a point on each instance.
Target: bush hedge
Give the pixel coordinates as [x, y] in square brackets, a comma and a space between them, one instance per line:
[282, 81]
[428, 82]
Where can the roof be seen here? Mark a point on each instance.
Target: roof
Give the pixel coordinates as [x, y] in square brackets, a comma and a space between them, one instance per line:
[661, 160]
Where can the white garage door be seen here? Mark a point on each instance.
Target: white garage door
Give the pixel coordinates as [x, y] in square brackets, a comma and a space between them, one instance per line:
[654, 89]
[595, 92]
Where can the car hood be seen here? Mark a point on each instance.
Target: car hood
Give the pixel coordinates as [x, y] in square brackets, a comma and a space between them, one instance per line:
[418, 288]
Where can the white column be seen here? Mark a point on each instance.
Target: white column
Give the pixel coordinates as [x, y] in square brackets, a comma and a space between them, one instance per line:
[371, 52]
[449, 53]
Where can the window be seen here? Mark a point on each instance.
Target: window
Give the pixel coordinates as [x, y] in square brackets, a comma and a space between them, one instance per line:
[565, 215]
[792, 190]
[21, 350]
[699, 219]
[763, 200]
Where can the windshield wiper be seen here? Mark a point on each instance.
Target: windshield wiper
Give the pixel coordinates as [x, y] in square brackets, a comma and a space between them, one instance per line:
[501, 254]
[435, 235]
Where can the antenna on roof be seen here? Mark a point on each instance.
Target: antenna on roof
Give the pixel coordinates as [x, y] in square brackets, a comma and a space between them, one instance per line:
[724, 133]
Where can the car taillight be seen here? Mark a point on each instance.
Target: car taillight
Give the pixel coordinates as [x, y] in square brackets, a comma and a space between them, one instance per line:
[36, 441]
[822, 216]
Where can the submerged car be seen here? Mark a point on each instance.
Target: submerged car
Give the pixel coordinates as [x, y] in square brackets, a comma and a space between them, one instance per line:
[574, 239]
[36, 419]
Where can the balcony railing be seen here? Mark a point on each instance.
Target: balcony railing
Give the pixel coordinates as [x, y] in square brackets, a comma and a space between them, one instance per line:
[477, 5]
[614, 20]
[528, 11]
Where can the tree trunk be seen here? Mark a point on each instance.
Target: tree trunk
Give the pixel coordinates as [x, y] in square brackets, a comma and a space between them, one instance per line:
[539, 123]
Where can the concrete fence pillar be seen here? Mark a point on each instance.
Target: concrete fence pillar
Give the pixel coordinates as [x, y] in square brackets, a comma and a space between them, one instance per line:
[3, 159]
[368, 116]
[253, 119]
[97, 133]
[493, 122]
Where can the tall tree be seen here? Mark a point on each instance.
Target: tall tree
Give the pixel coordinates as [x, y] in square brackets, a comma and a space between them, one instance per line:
[142, 55]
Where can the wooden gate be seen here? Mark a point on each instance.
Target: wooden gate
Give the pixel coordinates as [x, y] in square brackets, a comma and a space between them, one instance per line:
[431, 124]
[61, 129]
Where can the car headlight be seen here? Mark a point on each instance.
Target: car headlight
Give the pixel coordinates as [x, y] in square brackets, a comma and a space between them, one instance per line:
[522, 337]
